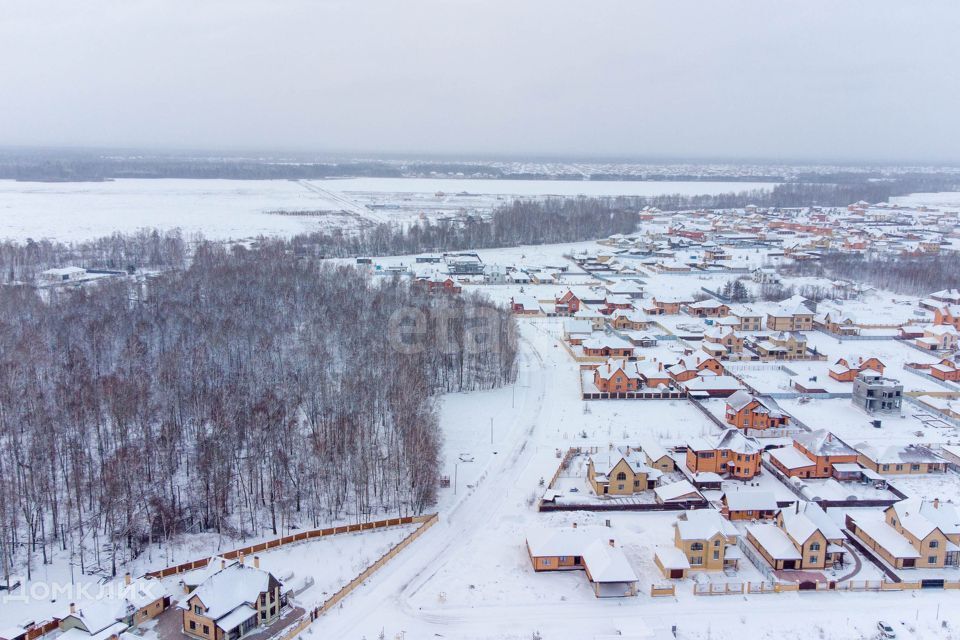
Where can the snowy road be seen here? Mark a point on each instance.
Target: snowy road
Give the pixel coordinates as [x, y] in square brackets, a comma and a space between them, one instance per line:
[406, 599]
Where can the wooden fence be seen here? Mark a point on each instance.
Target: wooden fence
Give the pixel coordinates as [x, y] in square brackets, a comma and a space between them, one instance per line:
[311, 616]
[738, 588]
[297, 537]
[662, 590]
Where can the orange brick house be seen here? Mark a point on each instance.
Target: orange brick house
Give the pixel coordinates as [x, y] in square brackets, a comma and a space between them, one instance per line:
[948, 314]
[607, 347]
[689, 366]
[846, 370]
[567, 304]
[732, 454]
[813, 455]
[746, 411]
[616, 376]
[945, 370]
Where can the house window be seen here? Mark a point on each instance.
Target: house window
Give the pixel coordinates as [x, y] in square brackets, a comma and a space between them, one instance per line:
[934, 544]
[193, 625]
[915, 467]
[197, 610]
[547, 562]
[696, 560]
[932, 560]
[621, 476]
[813, 559]
[563, 558]
[716, 543]
[636, 483]
[696, 546]
[716, 555]
[206, 630]
[815, 546]
[620, 487]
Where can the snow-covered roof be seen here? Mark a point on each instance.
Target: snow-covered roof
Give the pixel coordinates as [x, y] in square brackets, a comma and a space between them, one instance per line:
[671, 558]
[703, 524]
[775, 541]
[676, 491]
[229, 588]
[791, 458]
[607, 563]
[886, 536]
[898, 454]
[750, 500]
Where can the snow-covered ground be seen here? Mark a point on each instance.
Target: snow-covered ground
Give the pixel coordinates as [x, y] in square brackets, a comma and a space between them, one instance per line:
[238, 209]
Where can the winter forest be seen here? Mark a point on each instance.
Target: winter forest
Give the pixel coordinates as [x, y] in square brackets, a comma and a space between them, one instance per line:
[245, 391]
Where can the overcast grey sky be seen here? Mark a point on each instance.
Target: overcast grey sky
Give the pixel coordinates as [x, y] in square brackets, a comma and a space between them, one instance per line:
[828, 79]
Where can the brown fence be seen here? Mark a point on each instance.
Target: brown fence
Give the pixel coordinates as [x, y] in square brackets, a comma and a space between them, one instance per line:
[307, 619]
[297, 537]
[42, 629]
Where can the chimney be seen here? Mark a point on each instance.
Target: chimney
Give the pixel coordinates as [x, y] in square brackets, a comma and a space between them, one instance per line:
[256, 562]
[611, 542]
[659, 366]
[574, 525]
[936, 503]
[73, 608]
[223, 563]
[126, 578]
[240, 558]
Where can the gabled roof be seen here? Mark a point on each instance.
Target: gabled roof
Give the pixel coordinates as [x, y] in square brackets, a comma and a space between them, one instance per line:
[750, 500]
[230, 588]
[703, 524]
[823, 443]
[776, 542]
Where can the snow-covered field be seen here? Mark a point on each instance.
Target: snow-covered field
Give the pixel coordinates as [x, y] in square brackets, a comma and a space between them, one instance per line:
[238, 209]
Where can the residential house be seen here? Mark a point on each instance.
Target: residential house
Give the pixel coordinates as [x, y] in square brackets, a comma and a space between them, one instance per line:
[748, 319]
[814, 454]
[653, 374]
[780, 346]
[232, 602]
[766, 275]
[709, 385]
[607, 346]
[656, 456]
[576, 331]
[794, 540]
[585, 549]
[791, 315]
[703, 541]
[749, 504]
[746, 411]
[948, 314]
[939, 337]
[666, 306]
[872, 392]
[525, 305]
[630, 320]
[621, 472]
[847, 369]
[900, 459]
[688, 367]
[946, 370]
[135, 603]
[910, 534]
[617, 376]
[682, 491]
[706, 309]
[721, 341]
[732, 455]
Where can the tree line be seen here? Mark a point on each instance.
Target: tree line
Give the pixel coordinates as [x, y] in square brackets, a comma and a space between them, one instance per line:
[250, 392]
[917, 275]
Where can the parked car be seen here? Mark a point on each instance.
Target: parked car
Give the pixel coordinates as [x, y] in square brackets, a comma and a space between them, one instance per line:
[886, 631]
